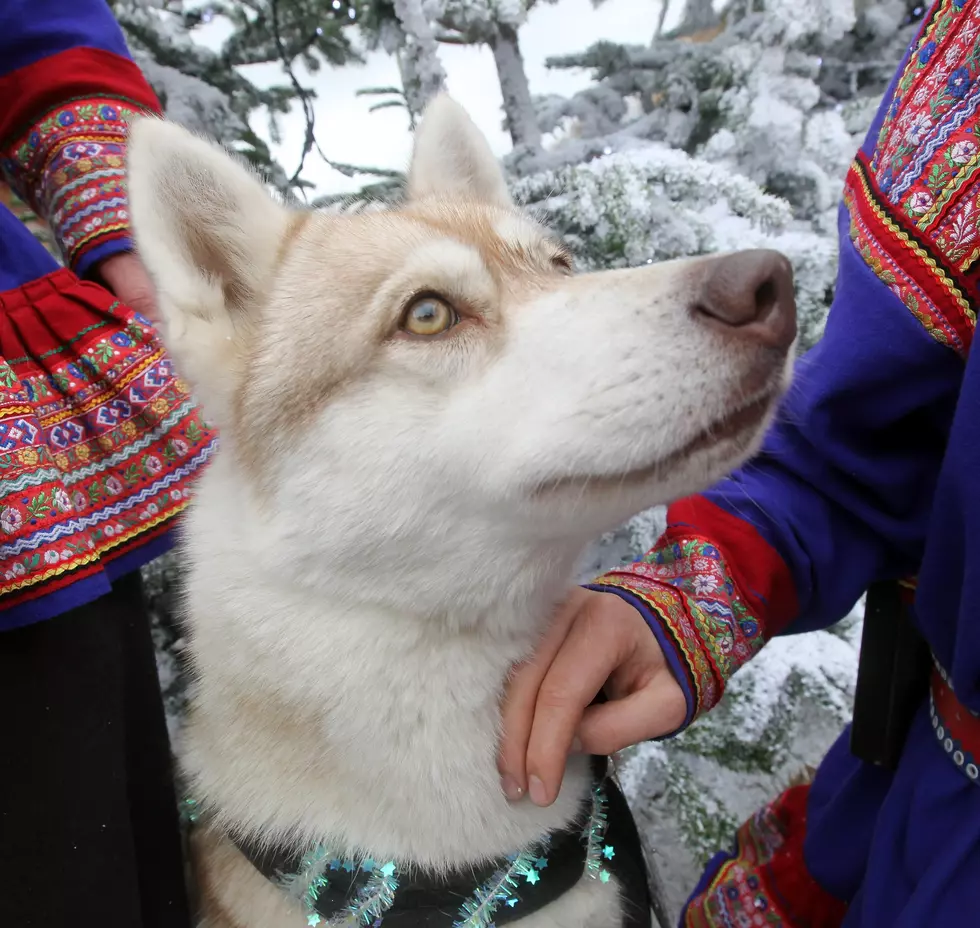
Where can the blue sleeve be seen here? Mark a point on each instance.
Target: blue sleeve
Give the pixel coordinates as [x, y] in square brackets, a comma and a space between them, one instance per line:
[31, 30]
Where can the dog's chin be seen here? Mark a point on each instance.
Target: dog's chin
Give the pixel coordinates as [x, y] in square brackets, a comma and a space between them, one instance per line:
[714, 451]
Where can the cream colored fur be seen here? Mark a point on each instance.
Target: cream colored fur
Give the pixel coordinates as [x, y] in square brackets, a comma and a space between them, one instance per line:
[389, 522]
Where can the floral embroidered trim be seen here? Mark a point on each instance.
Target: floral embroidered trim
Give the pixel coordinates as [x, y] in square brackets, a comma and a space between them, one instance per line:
[70, 167]
[737, 892]
[686, 583]
[764, 881]
[934, 99]
[98, 441]
[933, 292]
[915, 206]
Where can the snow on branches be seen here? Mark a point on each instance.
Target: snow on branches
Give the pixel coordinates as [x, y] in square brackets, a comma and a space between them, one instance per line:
[655, 203]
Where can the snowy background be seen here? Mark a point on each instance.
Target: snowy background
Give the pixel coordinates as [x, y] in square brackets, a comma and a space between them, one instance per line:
[640, 132]
[351, 134]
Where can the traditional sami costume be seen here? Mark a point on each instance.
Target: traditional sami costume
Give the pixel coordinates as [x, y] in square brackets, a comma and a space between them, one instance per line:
[98, 440]
[97, 436]
[869, 475]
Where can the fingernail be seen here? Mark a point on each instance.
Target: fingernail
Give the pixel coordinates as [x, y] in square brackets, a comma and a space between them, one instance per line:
[539, 795]
[576, 746]
[512, 789]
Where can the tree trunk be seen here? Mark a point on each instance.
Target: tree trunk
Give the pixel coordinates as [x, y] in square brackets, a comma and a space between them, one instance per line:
[419, 61]
[521, 121]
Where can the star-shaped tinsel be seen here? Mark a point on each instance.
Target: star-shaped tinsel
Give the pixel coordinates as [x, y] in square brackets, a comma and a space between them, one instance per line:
[190, 809]
[513, 901]
[604, 876]
[388, 869]
[313, 920]
[532, 876]
[609, 852]
[541, 863]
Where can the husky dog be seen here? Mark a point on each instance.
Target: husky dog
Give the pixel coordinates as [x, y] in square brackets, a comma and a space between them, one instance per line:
[425, 417]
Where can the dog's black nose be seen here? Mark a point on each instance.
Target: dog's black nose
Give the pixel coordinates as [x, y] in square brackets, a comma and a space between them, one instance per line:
[750, 295]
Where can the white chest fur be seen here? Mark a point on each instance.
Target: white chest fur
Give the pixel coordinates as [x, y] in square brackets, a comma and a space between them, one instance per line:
[377, 734]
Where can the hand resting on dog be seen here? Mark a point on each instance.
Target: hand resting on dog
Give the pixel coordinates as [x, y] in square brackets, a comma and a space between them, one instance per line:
[596, 641]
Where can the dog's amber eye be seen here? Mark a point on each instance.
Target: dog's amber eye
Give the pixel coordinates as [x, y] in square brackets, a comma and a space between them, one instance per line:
[429, 316]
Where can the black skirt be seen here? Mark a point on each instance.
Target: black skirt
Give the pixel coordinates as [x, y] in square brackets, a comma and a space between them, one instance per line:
[89, 832]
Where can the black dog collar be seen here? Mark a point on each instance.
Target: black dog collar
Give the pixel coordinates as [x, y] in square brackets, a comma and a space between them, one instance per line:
[336, 891]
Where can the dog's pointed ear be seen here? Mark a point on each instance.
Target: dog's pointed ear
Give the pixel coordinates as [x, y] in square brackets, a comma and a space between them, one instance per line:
[452, 159]
[209, 234]
[203, 223]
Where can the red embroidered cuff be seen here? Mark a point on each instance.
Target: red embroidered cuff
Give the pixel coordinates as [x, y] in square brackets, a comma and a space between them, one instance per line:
[712, 614]
[70, 167]
[686, 584]
[63, 143]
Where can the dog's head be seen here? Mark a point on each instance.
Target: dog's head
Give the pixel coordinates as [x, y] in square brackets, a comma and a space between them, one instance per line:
[432, 385]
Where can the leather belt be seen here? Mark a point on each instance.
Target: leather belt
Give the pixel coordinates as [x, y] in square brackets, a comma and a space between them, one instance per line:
[957, 728]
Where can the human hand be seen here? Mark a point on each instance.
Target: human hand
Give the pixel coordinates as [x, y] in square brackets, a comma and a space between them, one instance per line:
[595, 641]
[126, 277]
